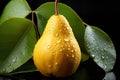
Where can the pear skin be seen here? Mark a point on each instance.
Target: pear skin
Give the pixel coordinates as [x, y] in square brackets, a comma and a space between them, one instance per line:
[57, 52]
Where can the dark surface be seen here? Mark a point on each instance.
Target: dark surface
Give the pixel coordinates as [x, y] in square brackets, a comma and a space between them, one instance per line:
[104, 14]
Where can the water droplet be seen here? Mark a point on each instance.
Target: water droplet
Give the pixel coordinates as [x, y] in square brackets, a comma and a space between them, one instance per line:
[109, 46]
[66, 39]
[75, 50]
[93, 55]
[58, 41]
[104, 49]
[55, 44]
[48, 46]
[56, 63]
[9, 65]
[67, 27]
[64, 29]
[3, 70]
[14, 59]
[68, 48]
[105, 44]
[102, 57]
[104, 79]
[60, 50]
[70, 32]
[53, 22]
[88, 47]
[61, 23]
[67, 55]
[97, 48]
[49, 66]
[112, 62]
[105, 66]
[23, 53]
[11, 68]
[72, 50]
[60, 30]
[73, 46]
[71, 40]
[93, 49]
[73, 55]
[106, 57]
[68, 45]
[56, 34]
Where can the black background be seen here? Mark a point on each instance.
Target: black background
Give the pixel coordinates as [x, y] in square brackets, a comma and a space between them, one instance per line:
[104, 14]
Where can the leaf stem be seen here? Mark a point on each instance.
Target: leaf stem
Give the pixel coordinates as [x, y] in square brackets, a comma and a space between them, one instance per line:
[85, 24]
[36, 28]
[56, 7]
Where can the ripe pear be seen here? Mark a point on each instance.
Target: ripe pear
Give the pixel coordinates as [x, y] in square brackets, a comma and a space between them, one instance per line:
[57, 52]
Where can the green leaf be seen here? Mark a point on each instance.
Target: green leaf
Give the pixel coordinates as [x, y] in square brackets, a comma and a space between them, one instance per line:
[25, 68]
[17, 40]
[100, 47]
[15, 8]
[109, 76]
[46, 10]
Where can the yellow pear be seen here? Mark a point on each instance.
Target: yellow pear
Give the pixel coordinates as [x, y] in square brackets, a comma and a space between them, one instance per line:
[57, 52]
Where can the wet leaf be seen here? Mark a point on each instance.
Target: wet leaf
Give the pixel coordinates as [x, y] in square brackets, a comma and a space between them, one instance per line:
[25, 68]
[100, 47]
[17, 40]
[15, 8]
[109, 76]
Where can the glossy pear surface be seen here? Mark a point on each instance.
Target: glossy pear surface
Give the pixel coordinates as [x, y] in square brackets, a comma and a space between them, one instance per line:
[57, 52]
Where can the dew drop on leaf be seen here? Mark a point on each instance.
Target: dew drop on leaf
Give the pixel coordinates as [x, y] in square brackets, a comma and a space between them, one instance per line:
[3, 70]
[9, 65]
[14, 60]
[105, 66]
[92, 48]
[103, 57]
[99, 46]
[93, 55]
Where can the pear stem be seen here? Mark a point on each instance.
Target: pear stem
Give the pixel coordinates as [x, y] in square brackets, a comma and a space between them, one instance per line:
[56, 7]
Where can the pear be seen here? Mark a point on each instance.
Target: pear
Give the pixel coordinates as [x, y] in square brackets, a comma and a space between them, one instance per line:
[57, 52]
